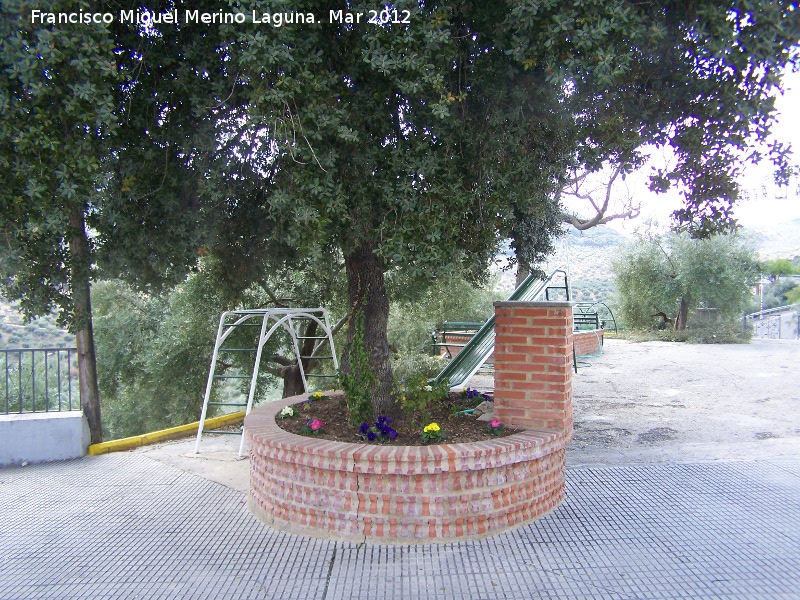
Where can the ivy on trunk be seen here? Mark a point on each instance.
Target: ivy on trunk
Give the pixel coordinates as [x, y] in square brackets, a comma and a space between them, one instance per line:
[366, 337]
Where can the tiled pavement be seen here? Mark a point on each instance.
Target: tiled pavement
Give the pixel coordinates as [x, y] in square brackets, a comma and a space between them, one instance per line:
[127, 526]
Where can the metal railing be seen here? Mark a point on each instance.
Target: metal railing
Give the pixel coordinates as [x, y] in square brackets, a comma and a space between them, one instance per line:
[772, 311]
[39, 380]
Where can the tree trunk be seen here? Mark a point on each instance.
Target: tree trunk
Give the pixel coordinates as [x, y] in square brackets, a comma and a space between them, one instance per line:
[367, 296]
[683, 315]
[522, 273]
[84, 336]
[292, 382]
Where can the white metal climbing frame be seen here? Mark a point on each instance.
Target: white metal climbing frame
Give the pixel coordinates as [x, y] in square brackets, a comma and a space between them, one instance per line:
[270, 320]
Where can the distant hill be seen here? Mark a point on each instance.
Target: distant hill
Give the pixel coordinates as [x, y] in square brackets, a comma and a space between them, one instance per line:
[780, 240]
[41, 333]
[587, 256]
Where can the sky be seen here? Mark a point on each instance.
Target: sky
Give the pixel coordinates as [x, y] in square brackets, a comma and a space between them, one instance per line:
[759, 210]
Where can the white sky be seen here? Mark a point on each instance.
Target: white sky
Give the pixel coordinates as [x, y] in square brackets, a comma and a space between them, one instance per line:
[760, 209]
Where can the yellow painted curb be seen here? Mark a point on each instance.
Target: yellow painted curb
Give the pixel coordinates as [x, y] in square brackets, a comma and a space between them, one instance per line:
[163, 435]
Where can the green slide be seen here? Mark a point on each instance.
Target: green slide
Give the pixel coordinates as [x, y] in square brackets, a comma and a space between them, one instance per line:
[472, 356]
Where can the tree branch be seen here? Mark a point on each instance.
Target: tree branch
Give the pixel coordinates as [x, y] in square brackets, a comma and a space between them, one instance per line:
[282, 360]
[574, 188]
[340, 324]
[274, 371]
[277, 301]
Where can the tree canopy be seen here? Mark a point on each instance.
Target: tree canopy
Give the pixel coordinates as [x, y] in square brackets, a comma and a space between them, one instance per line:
[419, 146]
[660, 279]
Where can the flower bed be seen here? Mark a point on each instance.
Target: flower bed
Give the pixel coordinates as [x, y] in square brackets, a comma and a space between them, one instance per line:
[408, 429]
[400, 494]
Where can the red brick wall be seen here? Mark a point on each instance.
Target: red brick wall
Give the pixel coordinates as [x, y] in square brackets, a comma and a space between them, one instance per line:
[533, 365]
[435, 493]
[399, 494]
[455, 343]
[588, 343]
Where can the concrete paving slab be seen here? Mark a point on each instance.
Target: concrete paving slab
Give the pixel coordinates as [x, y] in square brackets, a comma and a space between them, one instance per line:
[217, 461]
[129, 526]
[669, 402]
[659, 512]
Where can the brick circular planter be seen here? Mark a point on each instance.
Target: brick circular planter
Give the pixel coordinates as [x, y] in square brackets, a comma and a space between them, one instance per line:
[400, 494]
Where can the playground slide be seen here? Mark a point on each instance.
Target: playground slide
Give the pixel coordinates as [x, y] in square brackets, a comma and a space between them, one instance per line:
[471, 358]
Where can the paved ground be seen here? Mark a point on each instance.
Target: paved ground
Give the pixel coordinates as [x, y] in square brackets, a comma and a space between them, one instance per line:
[128, 526]
[668, 523]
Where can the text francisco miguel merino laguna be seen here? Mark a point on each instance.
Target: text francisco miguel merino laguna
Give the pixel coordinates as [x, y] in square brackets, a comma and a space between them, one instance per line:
[172, 17]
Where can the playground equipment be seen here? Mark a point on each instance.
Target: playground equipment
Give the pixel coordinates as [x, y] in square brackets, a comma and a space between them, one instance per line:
[593, 315]
[289, 320]
[475, 352]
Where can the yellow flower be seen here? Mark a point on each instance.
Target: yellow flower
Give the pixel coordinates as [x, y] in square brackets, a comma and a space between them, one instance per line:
[431, 427]
[317, 394]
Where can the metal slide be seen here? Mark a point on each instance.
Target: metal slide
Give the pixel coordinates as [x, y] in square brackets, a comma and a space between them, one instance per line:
[472, 356]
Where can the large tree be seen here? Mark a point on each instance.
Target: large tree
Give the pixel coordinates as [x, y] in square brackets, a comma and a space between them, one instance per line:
[421, 146]
[661, 279]
[57, 120]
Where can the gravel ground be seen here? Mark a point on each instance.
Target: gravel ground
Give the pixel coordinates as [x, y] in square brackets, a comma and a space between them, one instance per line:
[672, 402]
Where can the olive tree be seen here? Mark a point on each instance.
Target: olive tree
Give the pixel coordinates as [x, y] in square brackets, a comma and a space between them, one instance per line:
[660, 279]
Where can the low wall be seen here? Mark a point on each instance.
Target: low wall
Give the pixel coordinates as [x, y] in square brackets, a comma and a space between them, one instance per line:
[441, 492]
[400, 494]
[42, 437]
[588, 343]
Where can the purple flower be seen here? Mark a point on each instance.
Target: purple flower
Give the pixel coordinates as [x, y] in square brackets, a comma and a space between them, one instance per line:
[364, 428]
[392, 433]
[371, 436]
[383, 421]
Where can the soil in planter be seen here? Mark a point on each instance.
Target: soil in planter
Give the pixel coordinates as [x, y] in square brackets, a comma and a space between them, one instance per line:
[332, 412]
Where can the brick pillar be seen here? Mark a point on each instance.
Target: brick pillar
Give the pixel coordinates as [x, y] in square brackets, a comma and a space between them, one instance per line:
[533, 365]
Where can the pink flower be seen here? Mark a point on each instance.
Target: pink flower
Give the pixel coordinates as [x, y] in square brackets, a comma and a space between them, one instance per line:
[316, 424]
[495, 424]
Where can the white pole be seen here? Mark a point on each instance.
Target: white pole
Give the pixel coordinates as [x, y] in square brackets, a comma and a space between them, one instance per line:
[210, 383]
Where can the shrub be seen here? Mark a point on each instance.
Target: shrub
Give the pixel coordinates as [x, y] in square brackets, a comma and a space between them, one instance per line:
[417, 395]
[410, 365]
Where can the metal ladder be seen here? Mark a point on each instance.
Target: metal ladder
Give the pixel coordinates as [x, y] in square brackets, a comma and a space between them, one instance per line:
[271, 320]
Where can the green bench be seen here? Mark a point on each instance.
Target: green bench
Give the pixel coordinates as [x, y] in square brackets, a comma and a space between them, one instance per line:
[455, 329]
[588, 320]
